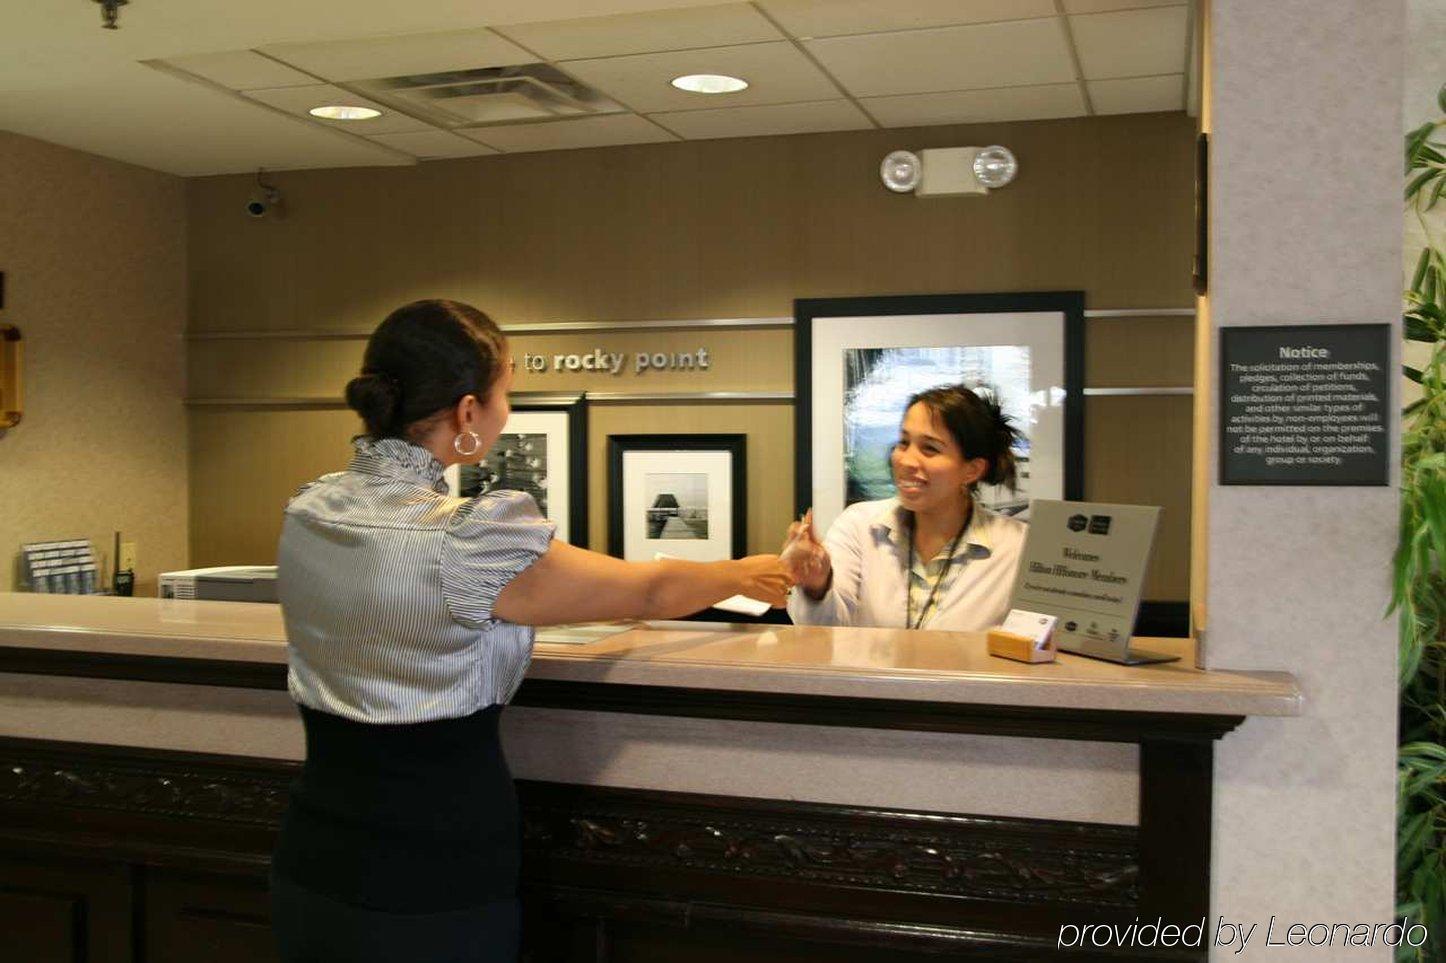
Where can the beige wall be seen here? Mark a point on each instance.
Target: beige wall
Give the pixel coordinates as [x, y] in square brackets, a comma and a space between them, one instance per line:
[94, 255]
[721, 229]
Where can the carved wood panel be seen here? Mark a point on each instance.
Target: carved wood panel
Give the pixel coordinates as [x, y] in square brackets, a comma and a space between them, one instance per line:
[1020, 861]
[631, 863]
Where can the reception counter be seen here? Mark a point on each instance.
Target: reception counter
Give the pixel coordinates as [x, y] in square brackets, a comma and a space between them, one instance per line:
[692, 789]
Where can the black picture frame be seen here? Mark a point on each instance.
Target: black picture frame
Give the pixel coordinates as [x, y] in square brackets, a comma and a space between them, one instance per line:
[736, 445]
[575, 408]
[1070, 304]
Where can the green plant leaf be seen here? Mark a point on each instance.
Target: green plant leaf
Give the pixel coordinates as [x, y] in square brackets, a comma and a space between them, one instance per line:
[1412, 837]
[1436, 461]
[1416, 329]
[1415, 139]
[1432, 314]
[1424, 322]
[1418, 576]
[1423, 750]
[1401, 580]
[1435, 512]
[1414, 185]
[1422, 263]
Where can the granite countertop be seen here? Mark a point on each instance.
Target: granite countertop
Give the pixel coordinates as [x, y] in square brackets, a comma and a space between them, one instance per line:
[805, 660]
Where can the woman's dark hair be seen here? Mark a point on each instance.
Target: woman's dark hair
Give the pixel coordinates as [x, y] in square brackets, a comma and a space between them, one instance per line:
[979, 426]
[424, 358]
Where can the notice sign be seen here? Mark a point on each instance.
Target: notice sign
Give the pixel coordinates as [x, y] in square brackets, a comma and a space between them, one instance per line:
[1305, 405]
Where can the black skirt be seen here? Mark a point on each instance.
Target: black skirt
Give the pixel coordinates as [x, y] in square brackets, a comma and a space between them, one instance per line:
[312, 928]
[416, 818]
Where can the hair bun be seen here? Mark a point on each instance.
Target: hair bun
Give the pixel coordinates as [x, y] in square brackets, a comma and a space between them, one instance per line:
[422, 360]
[375, 396]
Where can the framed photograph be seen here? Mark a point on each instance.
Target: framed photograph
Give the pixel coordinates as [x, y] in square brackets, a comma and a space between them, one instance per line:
[858, 360]
[678, 495]
[542, 451]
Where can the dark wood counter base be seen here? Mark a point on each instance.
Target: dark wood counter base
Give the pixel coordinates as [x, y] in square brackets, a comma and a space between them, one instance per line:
[111, 853]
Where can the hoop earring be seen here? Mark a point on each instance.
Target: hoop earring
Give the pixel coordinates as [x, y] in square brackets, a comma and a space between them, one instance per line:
[476, 443]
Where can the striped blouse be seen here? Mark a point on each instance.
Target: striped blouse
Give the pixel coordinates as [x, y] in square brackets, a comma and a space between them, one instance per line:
[387, 585]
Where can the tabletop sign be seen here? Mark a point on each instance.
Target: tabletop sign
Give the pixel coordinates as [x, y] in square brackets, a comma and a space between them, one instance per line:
[1085, 562]
[1305, 405]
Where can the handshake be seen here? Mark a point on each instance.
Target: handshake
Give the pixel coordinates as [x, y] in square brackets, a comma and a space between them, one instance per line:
[804, 557]
[803, 562]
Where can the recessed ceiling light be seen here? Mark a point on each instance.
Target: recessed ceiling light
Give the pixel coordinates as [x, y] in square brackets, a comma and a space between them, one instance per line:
[710, 84]
[344, 112]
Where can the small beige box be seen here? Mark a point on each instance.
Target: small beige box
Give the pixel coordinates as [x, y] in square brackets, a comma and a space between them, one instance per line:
[1008, 645]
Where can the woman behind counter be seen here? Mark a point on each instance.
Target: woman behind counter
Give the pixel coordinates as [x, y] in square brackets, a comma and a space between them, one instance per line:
[407, 615]
[933, 557]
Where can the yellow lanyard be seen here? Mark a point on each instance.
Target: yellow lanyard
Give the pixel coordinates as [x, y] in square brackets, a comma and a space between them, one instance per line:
[909, 622]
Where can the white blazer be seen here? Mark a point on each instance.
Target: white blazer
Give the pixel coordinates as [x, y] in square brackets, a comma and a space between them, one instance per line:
[868, 546]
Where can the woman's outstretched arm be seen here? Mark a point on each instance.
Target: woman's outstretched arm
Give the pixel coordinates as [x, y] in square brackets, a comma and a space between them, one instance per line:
[570, 584]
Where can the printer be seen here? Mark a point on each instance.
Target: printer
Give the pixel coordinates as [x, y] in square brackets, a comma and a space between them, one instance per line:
[225, 583]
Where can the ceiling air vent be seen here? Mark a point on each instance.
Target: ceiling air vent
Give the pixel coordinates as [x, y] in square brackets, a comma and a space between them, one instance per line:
[489, 95]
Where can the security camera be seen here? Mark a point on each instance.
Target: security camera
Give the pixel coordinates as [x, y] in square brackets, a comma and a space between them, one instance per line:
[265, 201]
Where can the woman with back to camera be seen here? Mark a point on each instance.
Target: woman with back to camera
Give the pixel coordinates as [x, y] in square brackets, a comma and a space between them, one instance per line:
[407, 615]
[933, 557]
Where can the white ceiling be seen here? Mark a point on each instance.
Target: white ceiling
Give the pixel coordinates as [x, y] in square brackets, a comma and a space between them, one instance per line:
[216, 86]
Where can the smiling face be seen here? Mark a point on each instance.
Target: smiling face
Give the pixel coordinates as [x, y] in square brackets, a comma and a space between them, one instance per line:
[930, 470]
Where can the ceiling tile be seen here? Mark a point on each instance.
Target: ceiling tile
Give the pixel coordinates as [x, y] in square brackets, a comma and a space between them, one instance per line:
[776, 73]
[765, 120]
[1131, 43]
[154, 120]
[831, 18]
[948, 58]
[429, 144]
[299, 100]
[728, 23]
[978, 106]
[241, 70]
[418, 53]
[562, 134]
[1138, 95]
[1101, 6]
